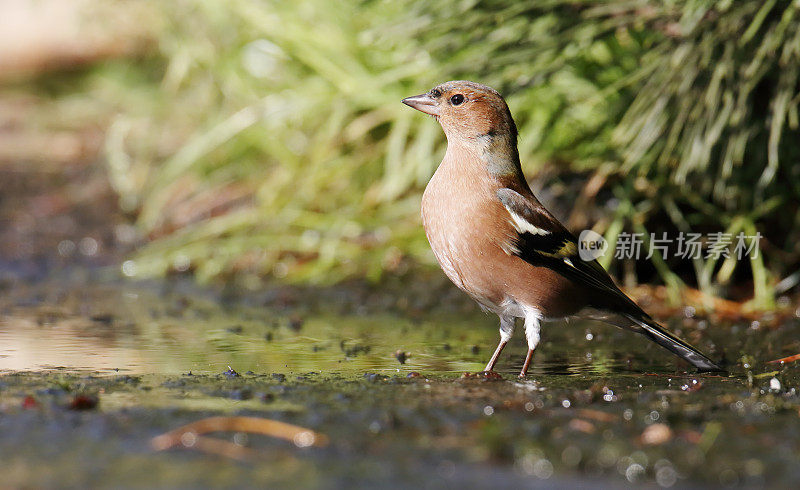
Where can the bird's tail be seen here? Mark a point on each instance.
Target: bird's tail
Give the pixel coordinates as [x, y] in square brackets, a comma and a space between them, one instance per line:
[665, 339]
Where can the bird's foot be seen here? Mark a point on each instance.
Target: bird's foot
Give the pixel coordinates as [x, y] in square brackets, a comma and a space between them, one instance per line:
[484, 375]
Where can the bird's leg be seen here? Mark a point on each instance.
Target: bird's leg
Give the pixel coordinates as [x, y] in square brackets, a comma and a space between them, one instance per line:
[506, 330]
[527, 364]
[532, 328]
[493, 360]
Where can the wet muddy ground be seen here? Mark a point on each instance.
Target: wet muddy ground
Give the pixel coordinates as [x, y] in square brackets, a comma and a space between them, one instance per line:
[91, 369]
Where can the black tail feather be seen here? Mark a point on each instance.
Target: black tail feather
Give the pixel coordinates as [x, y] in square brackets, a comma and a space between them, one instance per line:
[665, 339]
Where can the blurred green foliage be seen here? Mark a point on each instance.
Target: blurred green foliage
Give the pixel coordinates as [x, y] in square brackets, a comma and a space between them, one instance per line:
[274, 143]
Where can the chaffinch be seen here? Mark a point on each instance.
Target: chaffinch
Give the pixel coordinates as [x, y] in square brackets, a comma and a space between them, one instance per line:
[496, 241]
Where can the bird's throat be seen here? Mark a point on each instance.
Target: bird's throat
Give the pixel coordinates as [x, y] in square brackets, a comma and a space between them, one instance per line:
[502, 160]
[497, 156]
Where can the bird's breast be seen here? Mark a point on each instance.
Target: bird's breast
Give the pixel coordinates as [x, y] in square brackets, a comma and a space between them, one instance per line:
[441, 215]
[461, 217]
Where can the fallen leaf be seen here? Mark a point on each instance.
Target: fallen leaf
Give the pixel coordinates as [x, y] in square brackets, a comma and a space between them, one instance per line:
[188, 435]
[656, 434]
[582, 426]
[793, 358]
[597, 415]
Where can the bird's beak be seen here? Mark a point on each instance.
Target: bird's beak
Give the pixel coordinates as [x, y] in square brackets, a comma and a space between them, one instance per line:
[424, 103]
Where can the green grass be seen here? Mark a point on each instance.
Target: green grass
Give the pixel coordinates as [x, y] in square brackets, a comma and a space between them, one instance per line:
[274, 144]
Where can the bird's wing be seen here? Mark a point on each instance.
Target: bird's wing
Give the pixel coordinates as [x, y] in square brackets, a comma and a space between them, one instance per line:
[543, 241]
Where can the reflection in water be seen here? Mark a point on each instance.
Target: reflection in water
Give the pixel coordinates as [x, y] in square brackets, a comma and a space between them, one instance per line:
[117, 327]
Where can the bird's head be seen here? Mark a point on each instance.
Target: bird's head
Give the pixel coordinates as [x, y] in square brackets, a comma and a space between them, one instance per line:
[467, 111]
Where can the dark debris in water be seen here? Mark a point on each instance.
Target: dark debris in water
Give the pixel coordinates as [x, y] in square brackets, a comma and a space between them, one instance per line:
[296, 322]
[231, 373]
[354, 350]
[106, 318]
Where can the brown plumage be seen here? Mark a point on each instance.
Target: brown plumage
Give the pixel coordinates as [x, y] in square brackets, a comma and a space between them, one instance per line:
[496, 241]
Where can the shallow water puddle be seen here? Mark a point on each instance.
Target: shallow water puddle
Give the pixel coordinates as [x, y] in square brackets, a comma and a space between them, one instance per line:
[136, 330]
[144, 335]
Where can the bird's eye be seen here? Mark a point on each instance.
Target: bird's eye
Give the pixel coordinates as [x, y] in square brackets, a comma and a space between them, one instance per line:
[457, 99]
